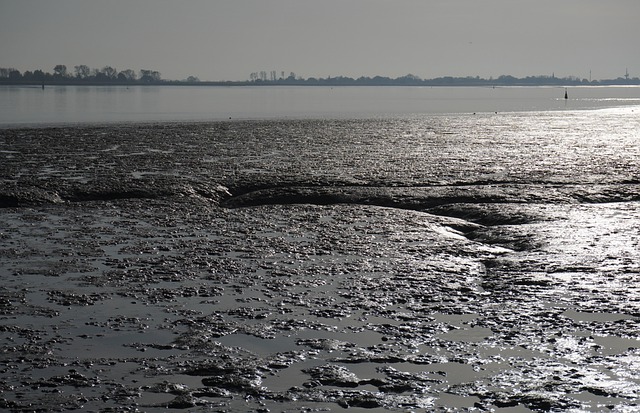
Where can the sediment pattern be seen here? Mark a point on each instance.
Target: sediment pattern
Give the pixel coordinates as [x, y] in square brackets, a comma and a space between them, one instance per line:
[453, 263]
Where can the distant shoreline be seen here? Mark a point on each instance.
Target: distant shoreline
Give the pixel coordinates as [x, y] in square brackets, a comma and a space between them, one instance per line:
[335, 82]
[84, 75]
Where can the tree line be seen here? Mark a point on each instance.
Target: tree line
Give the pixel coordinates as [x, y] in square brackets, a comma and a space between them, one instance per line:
[261, 78]
[80, 74]
[83, 74]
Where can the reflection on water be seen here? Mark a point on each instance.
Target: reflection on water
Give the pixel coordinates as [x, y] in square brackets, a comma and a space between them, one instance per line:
[107, 104]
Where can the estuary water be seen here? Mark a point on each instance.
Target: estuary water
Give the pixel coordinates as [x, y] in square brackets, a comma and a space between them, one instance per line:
[32, 105]
[387, 254]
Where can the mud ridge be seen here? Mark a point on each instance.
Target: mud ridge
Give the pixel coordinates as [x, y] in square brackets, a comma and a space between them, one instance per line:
[35, 196]
[469, 202]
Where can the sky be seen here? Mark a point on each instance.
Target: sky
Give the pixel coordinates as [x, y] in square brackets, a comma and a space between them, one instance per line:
[230, 39]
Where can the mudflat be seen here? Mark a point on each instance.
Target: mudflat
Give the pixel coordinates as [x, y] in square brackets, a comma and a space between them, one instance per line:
[317, 265]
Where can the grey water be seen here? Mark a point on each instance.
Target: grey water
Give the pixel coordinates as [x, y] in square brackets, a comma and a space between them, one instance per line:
[55, 105]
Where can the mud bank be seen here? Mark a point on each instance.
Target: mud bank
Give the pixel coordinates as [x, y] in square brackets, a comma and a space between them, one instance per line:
[171, 268]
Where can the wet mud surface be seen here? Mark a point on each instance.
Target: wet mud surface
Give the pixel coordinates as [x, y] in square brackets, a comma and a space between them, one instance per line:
[311, 266]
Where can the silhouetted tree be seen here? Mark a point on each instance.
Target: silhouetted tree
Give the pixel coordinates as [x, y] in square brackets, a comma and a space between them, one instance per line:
[109, 72]
[60, 71]
[409, 79]
[82, 71]
[5, 72]
[39, 75]
[127, 75]
[507, 79]
[14, 75]
[149, 75]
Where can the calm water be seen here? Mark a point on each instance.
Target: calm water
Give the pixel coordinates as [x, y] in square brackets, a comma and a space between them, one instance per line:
[23, 105]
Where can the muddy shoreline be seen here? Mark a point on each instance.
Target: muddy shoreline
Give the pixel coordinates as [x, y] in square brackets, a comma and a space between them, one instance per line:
[181, 268]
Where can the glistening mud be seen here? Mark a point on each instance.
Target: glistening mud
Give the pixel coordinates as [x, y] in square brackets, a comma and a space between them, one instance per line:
[445, 263]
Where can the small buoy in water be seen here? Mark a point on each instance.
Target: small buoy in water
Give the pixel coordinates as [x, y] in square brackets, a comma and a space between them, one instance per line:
[566, 95]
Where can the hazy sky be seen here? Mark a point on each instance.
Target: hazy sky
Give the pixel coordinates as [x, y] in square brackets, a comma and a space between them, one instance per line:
[229, 39]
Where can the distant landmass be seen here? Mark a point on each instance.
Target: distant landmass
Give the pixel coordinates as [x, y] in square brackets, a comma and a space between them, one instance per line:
[83, 75]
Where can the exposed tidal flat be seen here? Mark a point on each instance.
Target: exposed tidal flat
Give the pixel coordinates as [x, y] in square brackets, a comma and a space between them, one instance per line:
[424, 263]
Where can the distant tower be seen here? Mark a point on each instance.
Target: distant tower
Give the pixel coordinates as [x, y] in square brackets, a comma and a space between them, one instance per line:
[626, 75]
